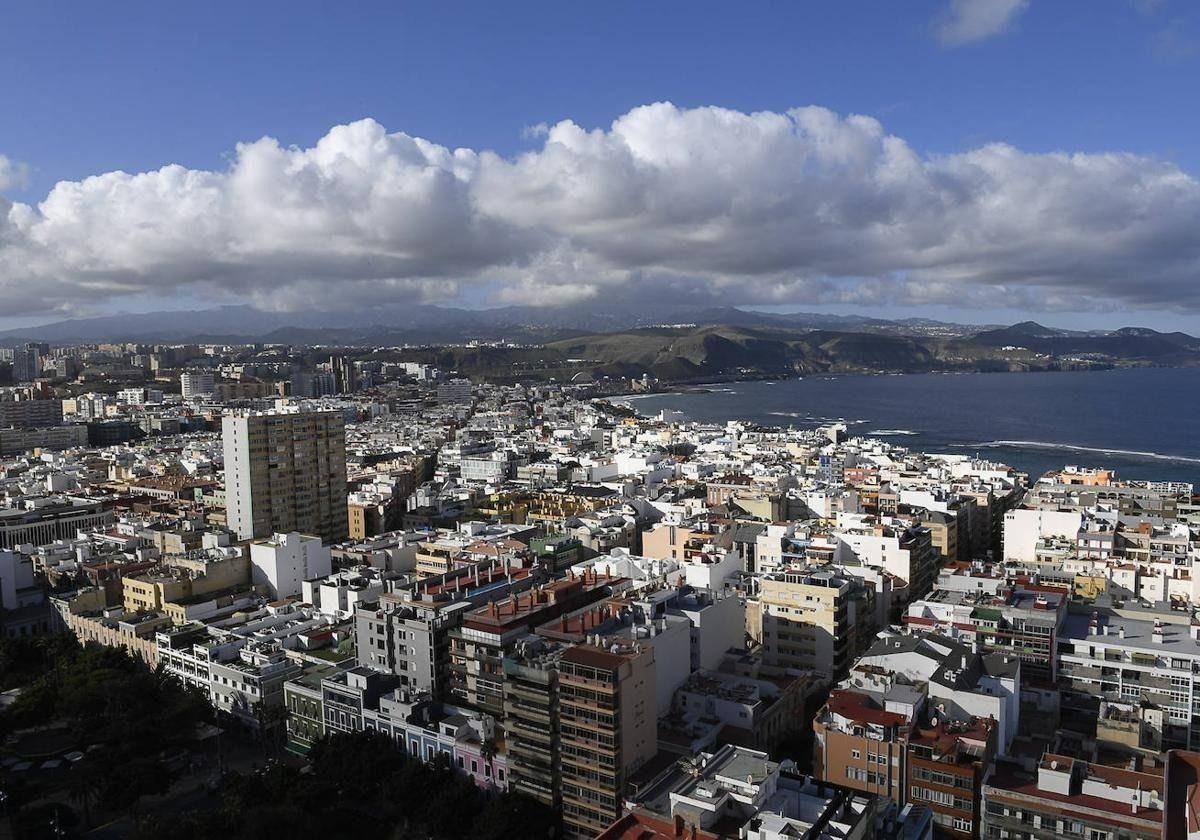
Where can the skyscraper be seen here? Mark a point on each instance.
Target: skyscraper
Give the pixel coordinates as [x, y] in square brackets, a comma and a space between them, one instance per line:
[27, 362]
[285, 472]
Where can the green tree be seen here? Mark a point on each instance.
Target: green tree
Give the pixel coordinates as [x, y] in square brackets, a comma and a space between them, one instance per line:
[83, 786]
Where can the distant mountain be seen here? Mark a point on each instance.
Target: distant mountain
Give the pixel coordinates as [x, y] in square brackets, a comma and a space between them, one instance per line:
[417, 323]
[671, 341]
[1128, 343]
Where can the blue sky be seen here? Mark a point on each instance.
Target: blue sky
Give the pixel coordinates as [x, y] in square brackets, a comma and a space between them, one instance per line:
[93, 88]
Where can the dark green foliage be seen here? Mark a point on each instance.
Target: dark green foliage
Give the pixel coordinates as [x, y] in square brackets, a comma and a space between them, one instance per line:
[359, 785]
[128, 717]
[112, 705]
[24, 658]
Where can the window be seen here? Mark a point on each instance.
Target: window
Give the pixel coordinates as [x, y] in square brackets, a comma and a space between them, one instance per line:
[474, 766]
[855, 754]
[961, 824]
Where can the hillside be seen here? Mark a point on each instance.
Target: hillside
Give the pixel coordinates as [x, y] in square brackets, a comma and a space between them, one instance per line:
[719, 351]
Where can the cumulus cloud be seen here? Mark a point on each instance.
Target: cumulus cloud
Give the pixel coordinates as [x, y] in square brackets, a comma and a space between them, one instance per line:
[706, 205]
[968, 21]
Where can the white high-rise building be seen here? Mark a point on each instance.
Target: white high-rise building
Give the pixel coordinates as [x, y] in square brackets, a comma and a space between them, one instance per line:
[284, 473]
[194, 384]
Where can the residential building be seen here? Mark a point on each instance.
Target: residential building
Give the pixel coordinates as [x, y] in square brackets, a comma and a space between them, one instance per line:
[196, 383]
[1141, 664]
[737, 792]
[282, 563]
[1021, 620]
[243, 686]
[607, 730]
[284, 473]
[304, 700]
[1071, 798]
[811, 619]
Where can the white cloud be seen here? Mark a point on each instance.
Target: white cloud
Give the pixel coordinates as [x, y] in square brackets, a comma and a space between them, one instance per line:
[707, 204]
[968, 21]
[13, 174]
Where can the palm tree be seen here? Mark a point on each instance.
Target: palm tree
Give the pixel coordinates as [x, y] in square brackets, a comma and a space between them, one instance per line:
[83, 784]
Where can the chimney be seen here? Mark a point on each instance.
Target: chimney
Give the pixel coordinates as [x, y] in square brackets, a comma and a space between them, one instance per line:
[1195, 628]
[1157, 635]
[679, 826]
[1121, 632]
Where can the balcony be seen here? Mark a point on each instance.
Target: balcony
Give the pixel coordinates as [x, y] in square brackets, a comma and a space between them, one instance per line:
[596, 746]
[519, 711]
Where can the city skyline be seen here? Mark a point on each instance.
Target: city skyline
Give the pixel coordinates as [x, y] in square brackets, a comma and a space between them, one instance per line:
[968, 161]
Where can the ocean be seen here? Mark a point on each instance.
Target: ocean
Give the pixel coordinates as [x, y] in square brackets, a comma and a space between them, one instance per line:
[1143, 422]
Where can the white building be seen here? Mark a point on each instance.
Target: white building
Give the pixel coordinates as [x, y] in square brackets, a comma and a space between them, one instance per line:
[1023, 529]
[196, 384]
[283, 562]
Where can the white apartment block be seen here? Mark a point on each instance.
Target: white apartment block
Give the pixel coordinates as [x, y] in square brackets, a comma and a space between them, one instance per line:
[283, 562]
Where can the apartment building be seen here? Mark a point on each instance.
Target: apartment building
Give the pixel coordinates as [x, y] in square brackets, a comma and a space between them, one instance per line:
[1080, 800]
[1021, 620]
[303, 698]
[900, 747]
[531, 720]
[285, 473]
[920, 721]
[812, 619]
[607, 728]
[243, 686]
[901, 548]
[347, 695]
[738, 792]
[409, 637]
[30, 414]
[1144, 663]
[283, 562]
[478, 645]
[196, 384]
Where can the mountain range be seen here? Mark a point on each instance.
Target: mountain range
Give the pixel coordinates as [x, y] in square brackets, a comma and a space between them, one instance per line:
[421, 323]
[672, 342]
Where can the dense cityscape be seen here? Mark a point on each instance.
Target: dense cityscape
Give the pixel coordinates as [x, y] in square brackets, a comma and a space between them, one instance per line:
[238, 575]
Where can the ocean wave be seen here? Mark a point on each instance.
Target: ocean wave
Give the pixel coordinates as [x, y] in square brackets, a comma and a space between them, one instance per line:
[892, 432]
[1099, 450]
[793, 414]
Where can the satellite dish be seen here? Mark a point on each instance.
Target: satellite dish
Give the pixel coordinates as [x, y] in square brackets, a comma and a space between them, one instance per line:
[933, 722]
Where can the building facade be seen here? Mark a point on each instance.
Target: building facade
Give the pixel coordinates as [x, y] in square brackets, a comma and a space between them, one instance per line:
[285, 472]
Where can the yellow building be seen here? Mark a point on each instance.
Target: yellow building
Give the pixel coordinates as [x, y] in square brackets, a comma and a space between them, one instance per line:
[135, 634]
[184, 577]
[148, 593]
[365, 519]
[812, 619]
[1090, 587]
